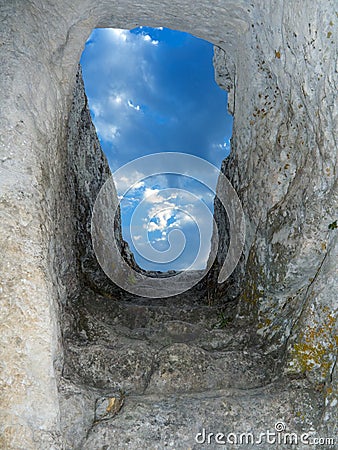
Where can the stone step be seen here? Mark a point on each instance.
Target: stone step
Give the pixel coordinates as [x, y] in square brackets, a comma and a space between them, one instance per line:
[134, 315]
[151, 374]
[139, 313]
[144, 345]
[187, 421]
[137, 366]
[96, 328]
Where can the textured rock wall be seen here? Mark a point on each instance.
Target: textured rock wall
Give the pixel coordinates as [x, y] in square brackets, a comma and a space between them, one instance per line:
[284, 165]
[86, 171]
[281, 68]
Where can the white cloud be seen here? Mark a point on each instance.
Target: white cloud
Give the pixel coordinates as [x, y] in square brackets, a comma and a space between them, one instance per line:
[164, 211]
[148, 38]
[97, 109]
[118, 34]
[184, 218]
[152, 195]
[165, 214]
[125, 182]
[159, 218]
[107, 131]
[220, 146]
[151, 226]
[138, 185]
[160, 239]
[116, 99]
[131, 105]
[121, 62]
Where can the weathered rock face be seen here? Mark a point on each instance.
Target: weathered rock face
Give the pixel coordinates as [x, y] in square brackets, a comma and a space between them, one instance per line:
[86, 171]
[279, 61]
[283, 165]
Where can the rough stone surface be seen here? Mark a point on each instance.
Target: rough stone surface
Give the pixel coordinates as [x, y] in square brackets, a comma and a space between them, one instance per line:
[174, 421]
[279, 62]
[86, 172]
[163, 352]
[284, 145]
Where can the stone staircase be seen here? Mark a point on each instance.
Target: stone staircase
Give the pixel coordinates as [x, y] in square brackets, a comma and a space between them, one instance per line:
[154, 373]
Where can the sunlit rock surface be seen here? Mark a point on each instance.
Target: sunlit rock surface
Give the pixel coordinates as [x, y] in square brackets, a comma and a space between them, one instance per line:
[257, 350]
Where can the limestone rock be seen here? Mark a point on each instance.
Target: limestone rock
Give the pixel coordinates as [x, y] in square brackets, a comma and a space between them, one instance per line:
[176, 421]
[279, 61]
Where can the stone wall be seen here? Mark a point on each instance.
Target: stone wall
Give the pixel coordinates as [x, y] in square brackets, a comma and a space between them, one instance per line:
[86, 171]
[283, 164]
[279, 60]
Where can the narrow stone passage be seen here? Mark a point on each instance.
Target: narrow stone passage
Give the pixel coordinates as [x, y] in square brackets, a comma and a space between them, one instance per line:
[151, 373]
[85, 367]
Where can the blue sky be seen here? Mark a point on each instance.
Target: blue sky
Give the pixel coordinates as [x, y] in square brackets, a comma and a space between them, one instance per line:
[152, 90]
